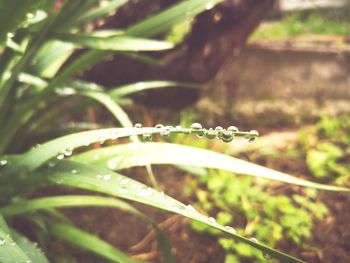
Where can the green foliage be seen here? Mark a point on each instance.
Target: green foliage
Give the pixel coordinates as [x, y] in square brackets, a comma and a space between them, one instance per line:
[256, 211]
[299, 23]
[326, 149]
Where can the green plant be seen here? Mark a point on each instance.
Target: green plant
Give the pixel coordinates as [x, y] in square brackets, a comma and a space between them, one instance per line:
[256, 210]
[37, 88]
[325, 148]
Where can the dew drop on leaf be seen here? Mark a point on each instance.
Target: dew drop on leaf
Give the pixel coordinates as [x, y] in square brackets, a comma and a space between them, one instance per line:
[60, 156]
[232, 129]
[107, 177]
[124, 181]
[196, 126]
[145, 192]
[123, 190]
[74, 171]
[3, 162]
[159, 126]
[2, 242]
[138, 125]
[212, 220]
[253, 239]
[112, 164]
[210, 134]
[230, 229]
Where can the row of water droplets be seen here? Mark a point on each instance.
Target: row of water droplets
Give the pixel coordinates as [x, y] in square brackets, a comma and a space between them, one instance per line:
[226, 135]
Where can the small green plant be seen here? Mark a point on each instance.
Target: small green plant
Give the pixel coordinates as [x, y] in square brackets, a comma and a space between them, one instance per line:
[326, 149]
[256, 210]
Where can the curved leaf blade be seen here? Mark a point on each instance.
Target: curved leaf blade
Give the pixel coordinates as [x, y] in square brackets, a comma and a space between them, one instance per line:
[89, 178]
[88, 241]
[130, 155]
[9, 251]
[114, 43]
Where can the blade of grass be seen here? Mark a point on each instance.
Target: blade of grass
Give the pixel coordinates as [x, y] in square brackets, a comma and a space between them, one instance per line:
[88, 241]
[87, 17]
[165, 20]
[130, 89]
[114, 43]
[130, 155]
[9, 251]
[33, 205]
[89, 178]
[30, 248]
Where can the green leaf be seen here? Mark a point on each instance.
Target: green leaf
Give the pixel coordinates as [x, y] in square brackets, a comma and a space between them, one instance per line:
[30, 248]
[170, 17]
[99, 12]
[40, 155]
[88, 241]
[86, 200]
[94, 178]
[13, 13]
[130, 89]
[130, 155]
[113, 43]
[33, 205]
[9, 251]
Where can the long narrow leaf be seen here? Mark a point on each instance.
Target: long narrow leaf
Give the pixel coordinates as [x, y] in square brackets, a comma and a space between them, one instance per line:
[166, 19]
[9, 251]
[85, 200]
[88, 241]
[30, 248]
[94, 178]
[115, 43]
[148, 85]
[130, 155]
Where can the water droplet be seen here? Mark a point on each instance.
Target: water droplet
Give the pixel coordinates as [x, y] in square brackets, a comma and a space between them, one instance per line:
[178, 127]
[147, 137]
[210, 134]
[159, 126]
[252, 139]
[230, 229]
[138, 125]
[68, 152]
[253, 239]
[226, 136]
[145, 192]
[60, 156]
[124, 180]
[123, 190]
[266, 256]
[209, 5]
[2, 241]
[218, 128]
[254, 133]
[112, 164]
[212, 220]
[201, 133]
[196, 126]
[74, 171]
[165, 132]
[30, 15]
[10, 35]
[3, 162]
[107, 177]
[232, 129]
